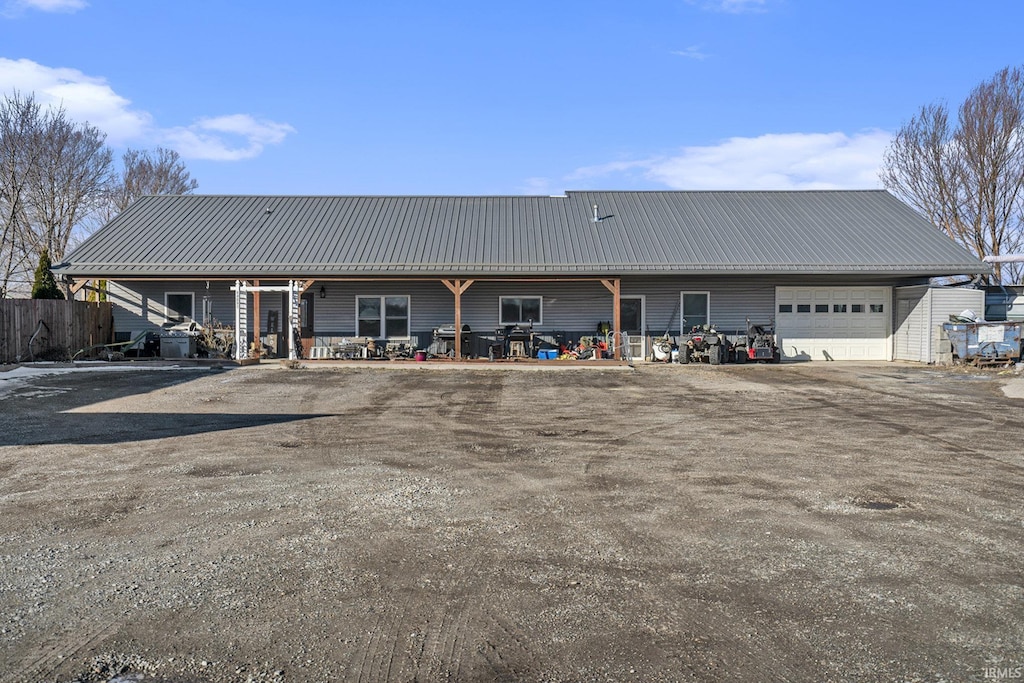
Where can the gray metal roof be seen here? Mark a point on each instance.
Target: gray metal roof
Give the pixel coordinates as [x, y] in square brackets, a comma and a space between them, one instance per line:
[806, 232]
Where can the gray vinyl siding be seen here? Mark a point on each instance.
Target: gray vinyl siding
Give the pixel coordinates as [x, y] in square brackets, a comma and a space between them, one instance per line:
[430, 305]
[911, 342]
[732, 300]
[947, 301]
[575, 306]
[921, 309]
[139, 306]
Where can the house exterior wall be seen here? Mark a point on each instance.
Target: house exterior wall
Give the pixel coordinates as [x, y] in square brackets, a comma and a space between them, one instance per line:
[139, 306]
[921, 309]
[570, 307]
[566, 305]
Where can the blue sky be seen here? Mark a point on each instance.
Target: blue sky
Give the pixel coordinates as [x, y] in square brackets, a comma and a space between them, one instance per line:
[507, 98]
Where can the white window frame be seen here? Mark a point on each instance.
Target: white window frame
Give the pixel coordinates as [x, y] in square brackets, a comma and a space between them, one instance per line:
[684, 325]
[643, 308]
[501, 301]
[192, 307]
[383, 314]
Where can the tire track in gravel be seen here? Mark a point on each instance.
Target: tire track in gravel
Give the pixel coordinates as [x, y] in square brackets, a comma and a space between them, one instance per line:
[406, 645]
[440, 657]
[505, 652]
[44, 661]
[712, 642]
[883, 406]
[379, 654]
[456, 643]
[457, 639]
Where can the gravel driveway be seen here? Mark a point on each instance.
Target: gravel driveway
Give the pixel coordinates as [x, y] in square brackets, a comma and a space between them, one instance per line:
[807, 522]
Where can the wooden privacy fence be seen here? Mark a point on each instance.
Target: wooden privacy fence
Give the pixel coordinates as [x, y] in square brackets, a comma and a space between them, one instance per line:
[49, 329]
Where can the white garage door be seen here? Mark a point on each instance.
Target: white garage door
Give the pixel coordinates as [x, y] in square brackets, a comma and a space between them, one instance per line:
[833, 323]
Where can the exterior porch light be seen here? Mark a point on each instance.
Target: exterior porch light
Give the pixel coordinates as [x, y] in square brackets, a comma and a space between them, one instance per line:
[323, 292]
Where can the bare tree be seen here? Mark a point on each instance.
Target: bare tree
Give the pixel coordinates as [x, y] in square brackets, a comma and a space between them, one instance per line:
[53, 173]
[57, 183]
[143, 172]
[19, 150]
[968, 178]
[70, 180]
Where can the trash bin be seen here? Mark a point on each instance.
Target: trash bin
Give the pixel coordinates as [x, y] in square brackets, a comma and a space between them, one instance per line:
[985, 342]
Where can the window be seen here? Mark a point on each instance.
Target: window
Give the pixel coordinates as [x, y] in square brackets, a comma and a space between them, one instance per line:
[856, 308]
[382, 316]
[178, 306]
[695, 310]
[803, 308]
[520, 309]
[785, 308]
[839, 308]
[821, 308]
[876, 308]
[306, 314]
[631, 314]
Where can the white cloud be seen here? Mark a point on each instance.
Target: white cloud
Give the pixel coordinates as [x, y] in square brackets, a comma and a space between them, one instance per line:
[226, 138]
[692, 52]
[84, 98]
[91, 99]
[14, 8]
[789, 161]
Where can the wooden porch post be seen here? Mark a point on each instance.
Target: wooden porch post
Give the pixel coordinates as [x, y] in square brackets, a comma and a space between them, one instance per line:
[615, 287]
[458, 319]
[457, 287]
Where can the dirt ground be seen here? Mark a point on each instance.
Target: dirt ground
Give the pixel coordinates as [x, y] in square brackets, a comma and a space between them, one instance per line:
[801, 522]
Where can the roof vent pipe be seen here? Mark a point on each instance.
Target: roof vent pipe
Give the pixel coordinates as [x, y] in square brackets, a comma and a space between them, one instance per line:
[595, 219]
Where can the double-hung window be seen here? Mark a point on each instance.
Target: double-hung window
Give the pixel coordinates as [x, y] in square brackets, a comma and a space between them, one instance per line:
[515, 310]
[695, 310]
[382, 316]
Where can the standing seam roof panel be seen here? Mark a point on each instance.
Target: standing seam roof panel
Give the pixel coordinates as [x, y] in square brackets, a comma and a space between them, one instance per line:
[646, 232]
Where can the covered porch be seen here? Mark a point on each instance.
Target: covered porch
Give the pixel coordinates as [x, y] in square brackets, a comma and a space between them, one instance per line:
[459, 318]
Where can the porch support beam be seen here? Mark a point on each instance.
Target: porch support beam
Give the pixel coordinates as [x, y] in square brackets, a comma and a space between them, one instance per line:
[458, 287]
[615, 287]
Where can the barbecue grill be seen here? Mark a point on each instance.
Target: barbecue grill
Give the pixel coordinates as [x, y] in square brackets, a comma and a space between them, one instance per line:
[444, 340]
[516, 333]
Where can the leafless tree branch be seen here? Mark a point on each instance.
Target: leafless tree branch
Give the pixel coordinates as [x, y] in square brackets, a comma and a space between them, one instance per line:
[968, 179]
